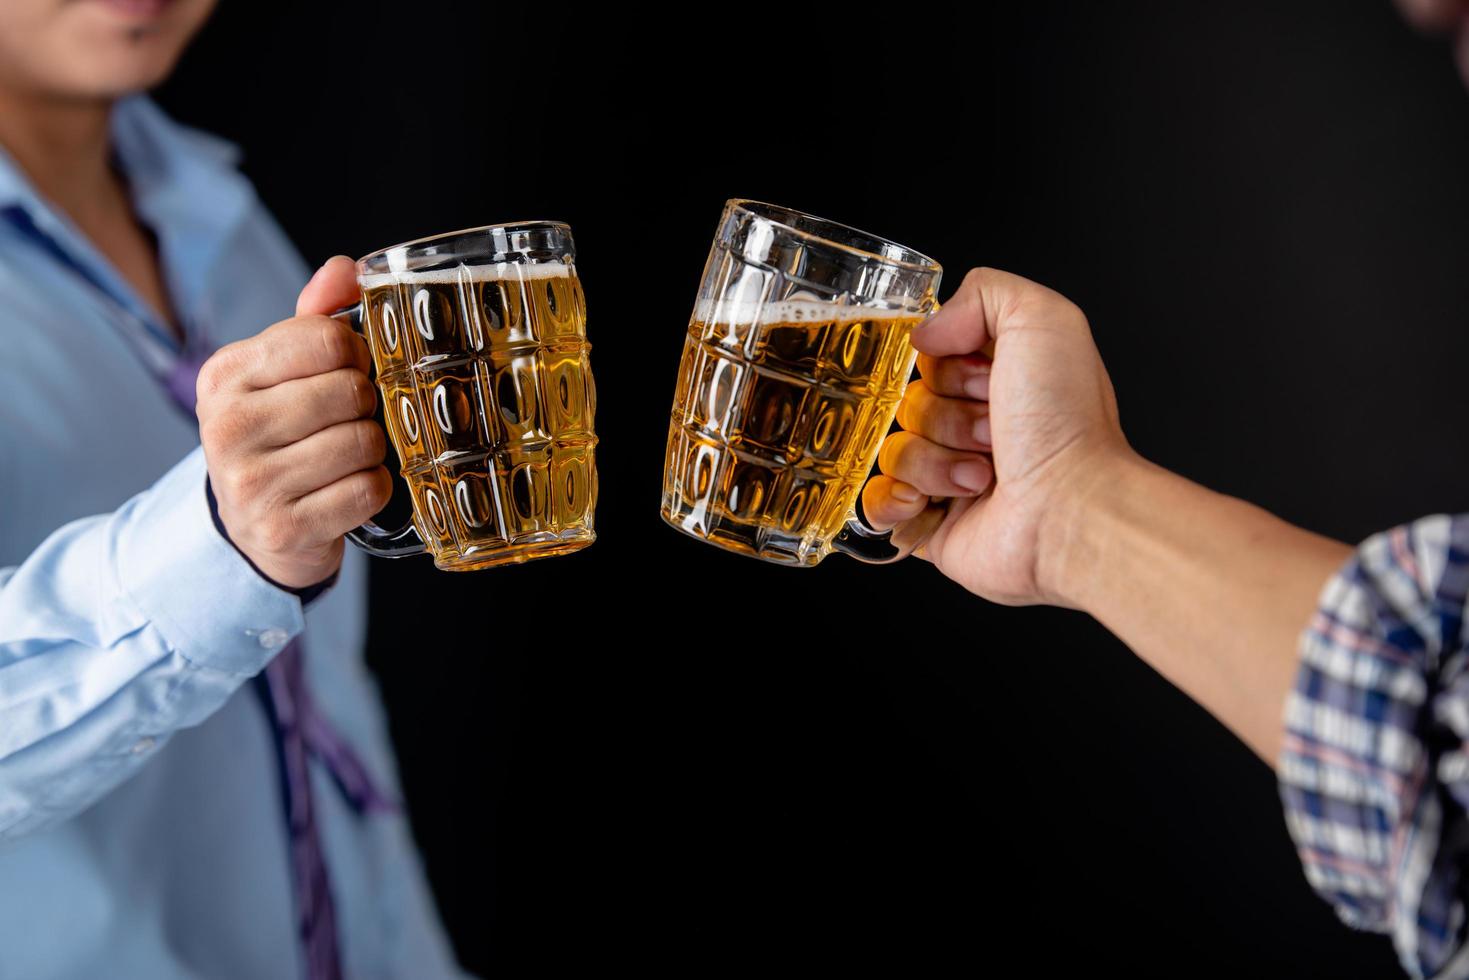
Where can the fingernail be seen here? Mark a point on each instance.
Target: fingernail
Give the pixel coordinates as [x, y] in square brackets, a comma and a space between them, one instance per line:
[927, 321]
[982, 431]
[971, 474]
[905, 493]
[978, 386]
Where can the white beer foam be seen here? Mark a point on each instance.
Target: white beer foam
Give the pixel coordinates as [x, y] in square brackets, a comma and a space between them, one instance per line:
[474, 273]
[793, 311]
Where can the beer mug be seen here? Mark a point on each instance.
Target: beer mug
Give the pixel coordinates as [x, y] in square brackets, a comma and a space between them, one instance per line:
[796, 357]
[478, 341]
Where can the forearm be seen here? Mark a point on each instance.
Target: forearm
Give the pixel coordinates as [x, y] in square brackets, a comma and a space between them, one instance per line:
[1211, 591]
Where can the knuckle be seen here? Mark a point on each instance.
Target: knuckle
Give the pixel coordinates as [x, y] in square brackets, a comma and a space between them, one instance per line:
[207, 383]
[1063, 309]
[371, 491]
[211, 437]
[362, 497]
[361, 353]
[215, 373]
[226, 480]
[278, 532]
[367, 496]
[382, 488]
[359, 391]
[977, 280]
[335, 341]
[372, 446]
[242, 482]
[1043, 304]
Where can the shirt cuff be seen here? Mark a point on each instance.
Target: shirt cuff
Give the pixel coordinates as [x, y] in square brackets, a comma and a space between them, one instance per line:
[208, 602]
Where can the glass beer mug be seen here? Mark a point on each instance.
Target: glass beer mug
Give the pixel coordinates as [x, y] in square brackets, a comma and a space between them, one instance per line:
[796, 357]
[478, 340]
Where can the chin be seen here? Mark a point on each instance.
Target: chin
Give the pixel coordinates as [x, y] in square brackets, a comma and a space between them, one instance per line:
[111, 48]
[112, 78]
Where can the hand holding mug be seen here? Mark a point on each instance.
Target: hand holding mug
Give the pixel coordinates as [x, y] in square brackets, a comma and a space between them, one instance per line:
[1041, 413]
[294, 458]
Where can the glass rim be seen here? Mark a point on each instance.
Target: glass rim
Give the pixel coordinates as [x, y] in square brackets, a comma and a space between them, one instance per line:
[408, 247]
[910, 258]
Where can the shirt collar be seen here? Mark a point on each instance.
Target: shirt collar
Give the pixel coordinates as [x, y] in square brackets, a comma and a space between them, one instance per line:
[184, 186]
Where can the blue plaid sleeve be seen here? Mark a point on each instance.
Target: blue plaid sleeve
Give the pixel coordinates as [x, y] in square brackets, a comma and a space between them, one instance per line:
[1374, 764]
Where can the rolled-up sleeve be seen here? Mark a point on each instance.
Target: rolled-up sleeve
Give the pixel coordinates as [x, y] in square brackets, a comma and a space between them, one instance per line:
[117, 631]
[1374, 764]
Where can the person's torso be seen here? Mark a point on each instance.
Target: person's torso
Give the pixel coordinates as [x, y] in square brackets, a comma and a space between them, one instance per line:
[184, 869]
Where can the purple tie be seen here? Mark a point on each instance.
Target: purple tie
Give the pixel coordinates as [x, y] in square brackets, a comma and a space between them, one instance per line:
[299, 729]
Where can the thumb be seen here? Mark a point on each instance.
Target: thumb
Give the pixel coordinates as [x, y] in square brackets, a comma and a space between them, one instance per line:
[987, 304]
[332, 287]
[964, 325]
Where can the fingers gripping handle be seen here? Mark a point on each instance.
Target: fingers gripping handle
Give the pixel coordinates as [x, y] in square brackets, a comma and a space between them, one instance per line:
[859, 541]
[369, 537]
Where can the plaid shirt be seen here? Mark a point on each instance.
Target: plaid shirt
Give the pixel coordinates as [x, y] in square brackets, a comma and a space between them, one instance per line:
[1374, 768]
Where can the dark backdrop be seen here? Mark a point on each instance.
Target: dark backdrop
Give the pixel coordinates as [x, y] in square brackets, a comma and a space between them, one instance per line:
[658, 754]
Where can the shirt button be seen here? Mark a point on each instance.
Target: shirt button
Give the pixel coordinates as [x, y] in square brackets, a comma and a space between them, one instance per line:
[273, 639]
[144, 744]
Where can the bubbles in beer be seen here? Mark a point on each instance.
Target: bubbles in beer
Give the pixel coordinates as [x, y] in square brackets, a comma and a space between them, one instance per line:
[779, 412]
[486, 370]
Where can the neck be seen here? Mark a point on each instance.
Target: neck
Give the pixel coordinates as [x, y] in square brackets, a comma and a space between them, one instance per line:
[62, 145]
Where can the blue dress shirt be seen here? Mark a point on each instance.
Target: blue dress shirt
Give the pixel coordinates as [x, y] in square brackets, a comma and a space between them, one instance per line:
[141, 823]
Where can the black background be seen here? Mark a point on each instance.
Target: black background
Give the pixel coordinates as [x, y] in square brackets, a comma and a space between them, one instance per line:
[657, 754]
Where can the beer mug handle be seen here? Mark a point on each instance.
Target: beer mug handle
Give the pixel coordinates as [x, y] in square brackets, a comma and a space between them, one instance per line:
[878, 547]
[369, 537]
[863, 543]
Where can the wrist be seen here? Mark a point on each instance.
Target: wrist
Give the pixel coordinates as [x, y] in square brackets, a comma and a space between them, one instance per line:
[1072, 542]
[313, 585]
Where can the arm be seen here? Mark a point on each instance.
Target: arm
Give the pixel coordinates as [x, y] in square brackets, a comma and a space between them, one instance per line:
[117, 631]
[123, 628]
[1211, 591]
[1345, 669]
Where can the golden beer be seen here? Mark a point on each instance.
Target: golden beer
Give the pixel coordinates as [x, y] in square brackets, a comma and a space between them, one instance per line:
[488, 399]
[796, 357]
[777, 419]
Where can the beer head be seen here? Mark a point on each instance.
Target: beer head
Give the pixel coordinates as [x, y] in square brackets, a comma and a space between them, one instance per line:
[738, 311]
[494, 272]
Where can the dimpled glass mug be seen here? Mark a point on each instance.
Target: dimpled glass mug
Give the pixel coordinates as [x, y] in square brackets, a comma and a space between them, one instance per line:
[796, 357]
[478, 338]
